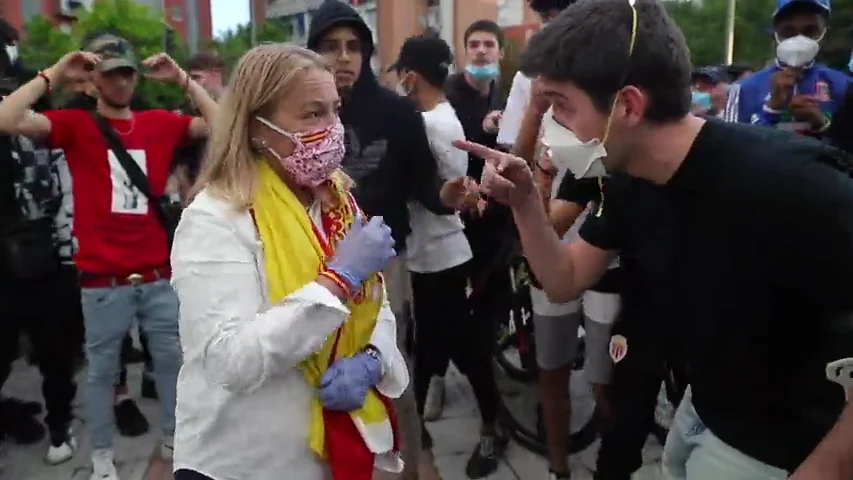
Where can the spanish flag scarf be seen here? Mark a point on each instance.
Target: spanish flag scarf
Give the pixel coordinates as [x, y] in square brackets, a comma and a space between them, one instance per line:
[295, 249]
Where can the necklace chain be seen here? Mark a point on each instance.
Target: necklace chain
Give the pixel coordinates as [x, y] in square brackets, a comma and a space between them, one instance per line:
[132, 126]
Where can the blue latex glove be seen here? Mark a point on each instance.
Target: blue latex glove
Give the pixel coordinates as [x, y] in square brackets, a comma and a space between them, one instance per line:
[363, 251]
[345, 384]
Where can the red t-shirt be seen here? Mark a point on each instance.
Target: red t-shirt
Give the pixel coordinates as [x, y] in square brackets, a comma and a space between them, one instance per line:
[117, 229]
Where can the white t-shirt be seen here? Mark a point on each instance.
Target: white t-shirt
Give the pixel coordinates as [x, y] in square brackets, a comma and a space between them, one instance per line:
[437, 242]
[516, 104]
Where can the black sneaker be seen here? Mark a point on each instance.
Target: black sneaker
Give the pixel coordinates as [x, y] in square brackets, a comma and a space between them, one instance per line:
[149, 388]
[484, 460]
[21, 428]
[129, 419]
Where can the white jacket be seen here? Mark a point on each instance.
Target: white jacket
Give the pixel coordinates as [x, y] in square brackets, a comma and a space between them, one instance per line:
[243, 406]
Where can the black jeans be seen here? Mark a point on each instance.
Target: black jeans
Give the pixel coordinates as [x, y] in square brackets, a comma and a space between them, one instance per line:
[445, 330]
[633, 394]
[49, 313]
[190, 475]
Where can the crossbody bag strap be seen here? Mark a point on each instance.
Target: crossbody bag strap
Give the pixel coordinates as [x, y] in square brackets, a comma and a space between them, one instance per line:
[134, 173]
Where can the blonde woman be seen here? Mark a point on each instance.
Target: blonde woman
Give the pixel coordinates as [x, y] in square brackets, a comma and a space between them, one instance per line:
[290, 349]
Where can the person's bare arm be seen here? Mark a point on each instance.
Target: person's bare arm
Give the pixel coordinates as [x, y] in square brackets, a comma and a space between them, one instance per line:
[564, 270]
[528, 133]
[162, 67]
[16, 117]
[206, 105]
[833, 457]
[563, 215]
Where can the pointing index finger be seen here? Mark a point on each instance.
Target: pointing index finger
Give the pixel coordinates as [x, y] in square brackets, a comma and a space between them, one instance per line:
[477, 149]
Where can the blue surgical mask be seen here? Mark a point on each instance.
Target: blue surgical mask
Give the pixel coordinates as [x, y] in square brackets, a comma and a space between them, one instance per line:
[850, 63]
[483, 72]
[701, 99]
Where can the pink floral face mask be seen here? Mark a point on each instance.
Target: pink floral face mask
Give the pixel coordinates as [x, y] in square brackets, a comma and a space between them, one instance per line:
[316, 154]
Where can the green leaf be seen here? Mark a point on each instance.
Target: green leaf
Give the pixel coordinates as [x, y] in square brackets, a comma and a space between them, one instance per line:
[144, 27]
[234, 43]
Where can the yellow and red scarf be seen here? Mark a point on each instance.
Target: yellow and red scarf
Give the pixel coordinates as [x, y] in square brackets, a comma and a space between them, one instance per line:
[295, 251]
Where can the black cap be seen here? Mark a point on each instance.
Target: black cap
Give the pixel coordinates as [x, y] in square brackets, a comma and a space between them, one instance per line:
[424, 54]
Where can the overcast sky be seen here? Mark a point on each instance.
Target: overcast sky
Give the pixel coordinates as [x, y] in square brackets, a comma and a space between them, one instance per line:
[227, 14]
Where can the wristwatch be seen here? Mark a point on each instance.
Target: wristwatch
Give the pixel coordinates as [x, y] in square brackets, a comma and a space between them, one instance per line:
[373, 352]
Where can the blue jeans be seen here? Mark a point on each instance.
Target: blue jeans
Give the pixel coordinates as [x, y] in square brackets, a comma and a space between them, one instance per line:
[109, 314]
[693, 452]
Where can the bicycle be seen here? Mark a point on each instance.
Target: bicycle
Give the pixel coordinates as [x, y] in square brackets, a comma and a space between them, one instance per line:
[518, 373]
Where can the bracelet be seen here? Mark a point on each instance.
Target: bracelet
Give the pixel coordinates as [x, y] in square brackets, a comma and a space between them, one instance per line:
[46, 79]
[334, 277]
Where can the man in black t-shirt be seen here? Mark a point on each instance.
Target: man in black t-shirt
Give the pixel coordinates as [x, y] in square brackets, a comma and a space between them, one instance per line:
[741, 236]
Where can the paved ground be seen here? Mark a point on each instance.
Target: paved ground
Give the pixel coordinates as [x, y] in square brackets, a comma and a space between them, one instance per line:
[455, 435]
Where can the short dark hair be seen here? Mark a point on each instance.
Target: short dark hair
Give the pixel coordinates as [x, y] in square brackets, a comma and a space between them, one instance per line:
[205, 61]
[588, 44]
[487, 26]
[545, 6]
[737, 70]
[427, 55]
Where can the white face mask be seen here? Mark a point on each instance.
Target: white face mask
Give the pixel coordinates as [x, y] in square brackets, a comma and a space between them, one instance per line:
[12, 53]
[797, 51]
[569, 154]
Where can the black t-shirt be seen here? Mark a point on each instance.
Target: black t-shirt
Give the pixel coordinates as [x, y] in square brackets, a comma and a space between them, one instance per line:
[581, 192]
[745, 261]
[492, 232]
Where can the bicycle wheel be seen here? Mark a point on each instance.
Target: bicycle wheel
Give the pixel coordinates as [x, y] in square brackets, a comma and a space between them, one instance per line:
[522, 414]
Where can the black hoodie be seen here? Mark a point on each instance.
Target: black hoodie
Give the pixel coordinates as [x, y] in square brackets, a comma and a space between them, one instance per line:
[388, 154]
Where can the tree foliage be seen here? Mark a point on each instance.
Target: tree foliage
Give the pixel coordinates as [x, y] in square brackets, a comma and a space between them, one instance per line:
[142, 26]
[234, 43]
[704, 25]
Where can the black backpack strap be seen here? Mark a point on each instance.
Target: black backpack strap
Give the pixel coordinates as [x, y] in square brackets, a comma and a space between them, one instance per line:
[135, 174]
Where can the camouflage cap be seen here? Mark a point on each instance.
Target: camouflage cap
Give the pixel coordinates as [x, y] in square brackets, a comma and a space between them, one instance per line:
[115, 52]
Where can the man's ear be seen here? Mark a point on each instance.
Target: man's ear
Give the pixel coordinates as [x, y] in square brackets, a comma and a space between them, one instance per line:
[502, 54]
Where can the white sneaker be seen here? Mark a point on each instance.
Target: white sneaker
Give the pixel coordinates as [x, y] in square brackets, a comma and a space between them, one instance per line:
[61, 453]
[103, 467]
[434, 404]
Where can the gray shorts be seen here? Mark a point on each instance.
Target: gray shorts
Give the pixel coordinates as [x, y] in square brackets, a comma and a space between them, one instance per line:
[557, 336]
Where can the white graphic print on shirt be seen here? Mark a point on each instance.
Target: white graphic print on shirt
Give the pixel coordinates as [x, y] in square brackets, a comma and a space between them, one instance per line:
[126, 198]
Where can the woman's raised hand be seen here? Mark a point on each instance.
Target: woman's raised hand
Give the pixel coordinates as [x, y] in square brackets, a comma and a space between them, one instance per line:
[365, 250]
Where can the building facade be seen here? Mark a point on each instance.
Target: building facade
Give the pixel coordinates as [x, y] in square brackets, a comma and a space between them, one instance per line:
[191, 19]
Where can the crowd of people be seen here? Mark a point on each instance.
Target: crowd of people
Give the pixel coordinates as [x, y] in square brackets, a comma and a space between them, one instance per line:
[304, 251]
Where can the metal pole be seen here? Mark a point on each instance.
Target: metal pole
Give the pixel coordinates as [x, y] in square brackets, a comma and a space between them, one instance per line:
[252, 24]
[730, 31]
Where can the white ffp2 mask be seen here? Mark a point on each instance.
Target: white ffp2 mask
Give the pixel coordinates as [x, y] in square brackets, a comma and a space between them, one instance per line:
[569, 154]
[797, 51]
[12, 53]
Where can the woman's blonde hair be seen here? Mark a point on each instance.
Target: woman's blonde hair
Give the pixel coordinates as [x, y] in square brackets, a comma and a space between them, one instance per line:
[263, 76]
